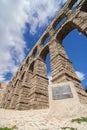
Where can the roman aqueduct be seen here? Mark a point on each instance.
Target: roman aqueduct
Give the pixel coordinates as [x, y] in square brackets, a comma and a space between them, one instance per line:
[28, 88]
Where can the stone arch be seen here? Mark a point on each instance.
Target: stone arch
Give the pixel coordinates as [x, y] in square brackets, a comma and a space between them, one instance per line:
[45, 38]
[66, 29]
[21, 68]
[44, 52]
[58, 22]
[63, 32]
[27, 60]
[31, 67]
[75, 41]
[35, 51]
[16, 82]
[22, 76]
[45, 56]
[76, 4]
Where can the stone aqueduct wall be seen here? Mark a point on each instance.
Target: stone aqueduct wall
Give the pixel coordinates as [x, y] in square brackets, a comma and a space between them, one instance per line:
[28, 89]
[2, 90]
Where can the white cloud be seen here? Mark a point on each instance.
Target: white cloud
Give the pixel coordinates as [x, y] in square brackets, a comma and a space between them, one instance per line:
[40, 11]
[14, 14]
[12, 45]
[80, 75]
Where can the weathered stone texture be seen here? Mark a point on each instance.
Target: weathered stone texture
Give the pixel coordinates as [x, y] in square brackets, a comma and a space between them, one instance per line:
[28, 89]
[2, 90]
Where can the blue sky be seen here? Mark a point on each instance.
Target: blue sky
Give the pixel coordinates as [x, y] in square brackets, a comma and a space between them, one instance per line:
[76, 47]
[22, 22]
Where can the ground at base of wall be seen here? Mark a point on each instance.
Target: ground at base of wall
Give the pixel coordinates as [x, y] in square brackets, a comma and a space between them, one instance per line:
[39, 120]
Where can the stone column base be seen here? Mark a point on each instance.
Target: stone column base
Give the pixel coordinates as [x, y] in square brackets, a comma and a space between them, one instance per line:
[64, 101]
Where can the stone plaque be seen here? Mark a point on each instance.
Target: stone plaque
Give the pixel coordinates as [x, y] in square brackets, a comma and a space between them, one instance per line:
[61, 92]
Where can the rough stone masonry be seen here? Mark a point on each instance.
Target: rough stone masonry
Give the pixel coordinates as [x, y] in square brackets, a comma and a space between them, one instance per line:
[28, 88]
[2, 90]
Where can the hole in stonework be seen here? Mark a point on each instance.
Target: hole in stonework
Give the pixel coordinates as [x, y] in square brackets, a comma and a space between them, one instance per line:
[75, 44]
[31, 68]
[16, 83]
[48, 68]
[45, 56]
[58, 25]
[76, 5]
[45, 39]
[27, 60]
[86, 89]
[84, 6]
[21, 68]
[35, 52]
[22, 77]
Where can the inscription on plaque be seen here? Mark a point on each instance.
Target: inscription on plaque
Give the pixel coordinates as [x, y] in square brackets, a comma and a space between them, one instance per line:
[61, 92]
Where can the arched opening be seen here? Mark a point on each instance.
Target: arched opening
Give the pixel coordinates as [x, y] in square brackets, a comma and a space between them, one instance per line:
[45, 39]
[65, 30]
[35, 52]
[16, 83]
[31, 67]
[76, 4]
[45, 56]
[22, 77]
[21, 68]
[58, 22]
[48, 66]
[27, 60]
[75, 44]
